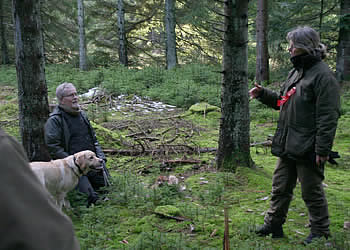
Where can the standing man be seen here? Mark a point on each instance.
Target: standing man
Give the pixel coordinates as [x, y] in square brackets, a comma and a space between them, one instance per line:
[68, 131]
[309, 105]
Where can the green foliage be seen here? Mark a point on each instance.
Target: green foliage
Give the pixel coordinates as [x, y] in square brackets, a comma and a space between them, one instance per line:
[8, 75]
[106, 137]
[183, 86]
[8, 110]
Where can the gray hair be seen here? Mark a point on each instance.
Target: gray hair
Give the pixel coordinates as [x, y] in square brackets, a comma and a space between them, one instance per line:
[308, 39]
[61, 88]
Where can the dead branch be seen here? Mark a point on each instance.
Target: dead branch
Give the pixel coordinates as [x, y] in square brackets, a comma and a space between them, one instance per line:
[148, 138]
[226, 232]
[172, 217]
[143, 148]
[267, 143]
[134, 134]
[171, 140]
[180, 161]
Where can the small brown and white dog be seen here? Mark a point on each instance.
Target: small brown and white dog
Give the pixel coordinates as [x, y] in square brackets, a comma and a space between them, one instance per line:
[62, 175]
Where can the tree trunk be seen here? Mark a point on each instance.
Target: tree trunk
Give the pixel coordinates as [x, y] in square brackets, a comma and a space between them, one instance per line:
[321, 19]
[171, 57]
[234, 148]
[343, 50]
[82, 39]
[262, 51]
[32, 89]
[123, 51]
[4, 51]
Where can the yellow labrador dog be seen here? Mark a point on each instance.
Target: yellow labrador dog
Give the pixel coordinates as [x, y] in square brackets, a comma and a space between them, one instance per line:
[62, 175]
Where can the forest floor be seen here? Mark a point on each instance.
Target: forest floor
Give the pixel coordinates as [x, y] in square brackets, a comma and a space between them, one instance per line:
[144, 209]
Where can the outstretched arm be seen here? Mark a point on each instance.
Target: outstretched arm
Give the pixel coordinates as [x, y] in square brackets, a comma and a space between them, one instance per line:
[264, 95]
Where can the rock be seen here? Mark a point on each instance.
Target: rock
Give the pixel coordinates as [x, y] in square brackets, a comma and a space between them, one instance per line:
[203, 107]
[347, 225]
[93, 92]
[167, 210]
[170, 180]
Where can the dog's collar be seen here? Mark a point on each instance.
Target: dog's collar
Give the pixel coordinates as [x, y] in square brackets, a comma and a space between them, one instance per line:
[80, 171]
[74, 172]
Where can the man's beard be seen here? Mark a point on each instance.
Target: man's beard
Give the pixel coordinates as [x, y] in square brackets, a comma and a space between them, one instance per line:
[71, 110]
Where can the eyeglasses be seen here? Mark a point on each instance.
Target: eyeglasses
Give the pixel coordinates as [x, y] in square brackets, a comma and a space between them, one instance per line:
[71, 95]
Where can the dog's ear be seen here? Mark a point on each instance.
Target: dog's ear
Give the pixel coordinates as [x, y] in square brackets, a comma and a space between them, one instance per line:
[80, 160]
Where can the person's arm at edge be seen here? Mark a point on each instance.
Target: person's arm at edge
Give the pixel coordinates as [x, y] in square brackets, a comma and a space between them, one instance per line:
[29, 220]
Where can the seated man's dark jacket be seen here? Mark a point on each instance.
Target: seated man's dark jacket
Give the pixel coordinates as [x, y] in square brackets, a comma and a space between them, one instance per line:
[57, 135]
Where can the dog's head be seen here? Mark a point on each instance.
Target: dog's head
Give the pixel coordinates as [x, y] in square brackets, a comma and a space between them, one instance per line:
[87, 160]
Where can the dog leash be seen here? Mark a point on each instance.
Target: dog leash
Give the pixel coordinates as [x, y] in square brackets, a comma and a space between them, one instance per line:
[105, 177]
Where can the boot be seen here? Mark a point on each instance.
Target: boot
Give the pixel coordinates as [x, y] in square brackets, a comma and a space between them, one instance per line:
[266, 229]
[313, 236]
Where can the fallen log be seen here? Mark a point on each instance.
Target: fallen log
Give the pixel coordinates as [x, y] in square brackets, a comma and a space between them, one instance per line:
[179, 161]
[267, 143]
[133, 152]
[185, 149]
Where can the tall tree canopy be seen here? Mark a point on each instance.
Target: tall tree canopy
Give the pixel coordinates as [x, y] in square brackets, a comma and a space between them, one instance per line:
[197, 29]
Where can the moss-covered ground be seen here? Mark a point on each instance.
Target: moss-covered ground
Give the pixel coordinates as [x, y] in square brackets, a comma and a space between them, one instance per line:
[129, 215]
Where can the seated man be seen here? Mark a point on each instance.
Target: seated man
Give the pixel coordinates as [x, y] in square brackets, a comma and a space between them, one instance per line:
[68, 131]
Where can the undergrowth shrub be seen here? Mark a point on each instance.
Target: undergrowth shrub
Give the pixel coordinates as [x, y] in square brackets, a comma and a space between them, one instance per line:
[8, 75]
[182, 86]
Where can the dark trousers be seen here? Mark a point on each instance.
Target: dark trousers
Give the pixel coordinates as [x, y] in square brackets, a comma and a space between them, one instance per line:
[91, 183]
[284, 181]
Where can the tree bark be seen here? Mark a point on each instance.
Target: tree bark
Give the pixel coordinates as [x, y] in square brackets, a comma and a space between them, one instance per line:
[32, 89]
[343, 50]
[234, 149]
[262, 51]
[321, 18]
[82, 38]
[171, 57]
[4, 51]
[123, 51]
